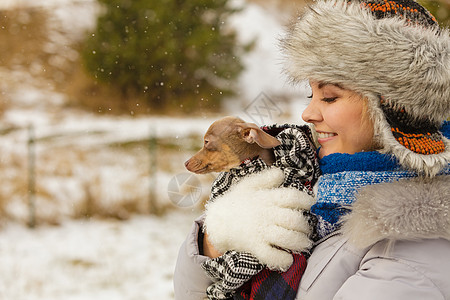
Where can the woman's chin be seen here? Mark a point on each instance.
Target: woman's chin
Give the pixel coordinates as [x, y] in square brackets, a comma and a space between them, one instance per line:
[322, 152]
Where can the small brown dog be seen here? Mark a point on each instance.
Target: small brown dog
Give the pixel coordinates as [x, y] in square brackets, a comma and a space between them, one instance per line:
[228, 142]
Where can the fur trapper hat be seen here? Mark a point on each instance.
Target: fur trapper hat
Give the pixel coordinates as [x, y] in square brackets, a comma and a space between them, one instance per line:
[394, 54]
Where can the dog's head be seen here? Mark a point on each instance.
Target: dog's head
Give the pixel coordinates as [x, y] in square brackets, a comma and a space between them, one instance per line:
[227, 143]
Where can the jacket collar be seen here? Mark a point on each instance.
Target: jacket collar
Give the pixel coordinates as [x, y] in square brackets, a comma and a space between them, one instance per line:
[408, 209]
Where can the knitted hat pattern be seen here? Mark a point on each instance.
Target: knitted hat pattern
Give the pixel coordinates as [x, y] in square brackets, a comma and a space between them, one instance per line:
[395, 55]
[418, 136]
[411, 11]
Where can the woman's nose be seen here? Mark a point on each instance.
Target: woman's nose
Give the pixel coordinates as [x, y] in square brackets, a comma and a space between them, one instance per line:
[311, 113]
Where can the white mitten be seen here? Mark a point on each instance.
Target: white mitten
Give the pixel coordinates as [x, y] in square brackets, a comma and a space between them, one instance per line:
[259, 217]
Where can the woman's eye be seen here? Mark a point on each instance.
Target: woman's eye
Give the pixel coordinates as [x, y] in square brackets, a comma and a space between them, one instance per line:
[329, 100]
[206, 142]
[309, 97]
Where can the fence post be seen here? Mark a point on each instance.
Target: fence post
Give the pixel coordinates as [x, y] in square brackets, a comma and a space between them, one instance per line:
[31, 177]
[152, 170]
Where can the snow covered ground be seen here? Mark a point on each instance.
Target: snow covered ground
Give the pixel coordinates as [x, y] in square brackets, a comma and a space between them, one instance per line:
[82, 157]
[81, 260]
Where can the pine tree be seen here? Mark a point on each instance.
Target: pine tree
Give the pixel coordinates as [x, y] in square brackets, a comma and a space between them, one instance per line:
[170, 52]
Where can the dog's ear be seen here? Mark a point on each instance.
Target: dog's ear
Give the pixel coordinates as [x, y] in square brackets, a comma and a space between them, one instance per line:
[251, 133]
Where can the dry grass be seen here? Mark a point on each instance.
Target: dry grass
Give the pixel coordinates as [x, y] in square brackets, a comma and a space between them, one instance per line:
[23, 35]
[26, 44]
[13, 178]
[84, 182]
[3, 104]
[86, 93]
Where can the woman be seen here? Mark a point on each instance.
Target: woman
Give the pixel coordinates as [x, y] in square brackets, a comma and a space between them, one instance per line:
[380, 78]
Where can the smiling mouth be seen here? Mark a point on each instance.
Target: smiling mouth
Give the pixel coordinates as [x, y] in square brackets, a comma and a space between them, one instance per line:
[325, 135]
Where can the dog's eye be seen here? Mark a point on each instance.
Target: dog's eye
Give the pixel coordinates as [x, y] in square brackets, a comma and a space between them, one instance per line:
[209, 146]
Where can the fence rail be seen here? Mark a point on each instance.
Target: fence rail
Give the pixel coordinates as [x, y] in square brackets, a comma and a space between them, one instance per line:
[89, 161]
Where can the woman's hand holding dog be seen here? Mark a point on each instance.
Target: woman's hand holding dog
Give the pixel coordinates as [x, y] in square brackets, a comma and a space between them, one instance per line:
[259, 217]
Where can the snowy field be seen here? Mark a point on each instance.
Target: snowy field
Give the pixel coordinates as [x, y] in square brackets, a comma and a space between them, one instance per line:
[83, 158]
[114, 260]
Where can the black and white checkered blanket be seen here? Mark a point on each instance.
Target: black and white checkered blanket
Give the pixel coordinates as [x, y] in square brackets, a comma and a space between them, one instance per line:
[296, 156]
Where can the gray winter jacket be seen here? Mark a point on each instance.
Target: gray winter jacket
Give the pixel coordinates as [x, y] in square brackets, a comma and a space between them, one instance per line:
[395, 244]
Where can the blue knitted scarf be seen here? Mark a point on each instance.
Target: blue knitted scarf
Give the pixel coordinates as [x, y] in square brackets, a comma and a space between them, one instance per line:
[344, 174]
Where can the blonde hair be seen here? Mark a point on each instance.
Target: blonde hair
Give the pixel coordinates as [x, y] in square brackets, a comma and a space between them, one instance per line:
[366, 116]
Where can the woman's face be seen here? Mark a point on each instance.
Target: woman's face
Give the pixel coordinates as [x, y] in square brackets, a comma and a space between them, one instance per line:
[340, 120]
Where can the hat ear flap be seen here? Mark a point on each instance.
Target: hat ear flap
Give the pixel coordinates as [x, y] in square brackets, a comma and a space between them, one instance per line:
[253, 134]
